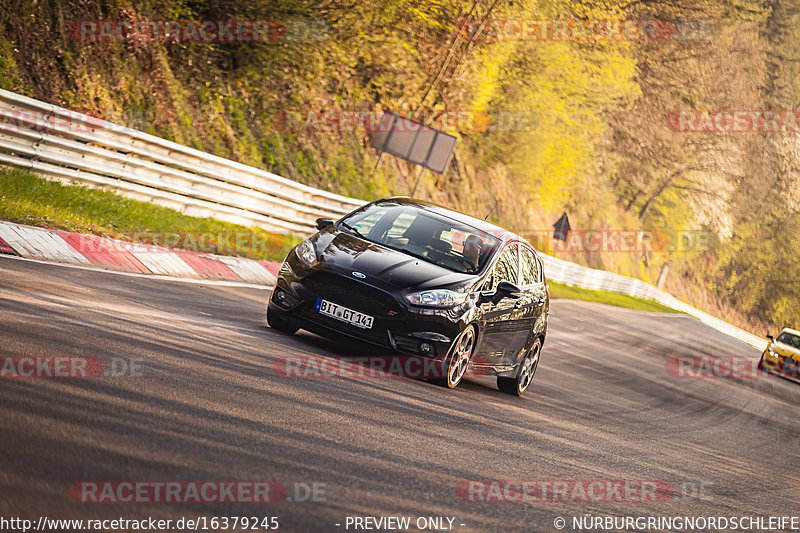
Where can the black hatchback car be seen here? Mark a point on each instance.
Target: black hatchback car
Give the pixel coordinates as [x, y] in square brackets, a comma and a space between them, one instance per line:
[422, 280]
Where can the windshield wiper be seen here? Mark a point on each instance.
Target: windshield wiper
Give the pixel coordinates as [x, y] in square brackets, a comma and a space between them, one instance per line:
[408, 252]
[354, 231]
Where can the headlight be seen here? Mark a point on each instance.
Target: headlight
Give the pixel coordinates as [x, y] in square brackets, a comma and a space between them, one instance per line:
[772, 352]
[305, 252]
[437, 298]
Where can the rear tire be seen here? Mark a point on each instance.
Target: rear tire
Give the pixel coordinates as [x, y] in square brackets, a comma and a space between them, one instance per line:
[527, 370]
[279, 323]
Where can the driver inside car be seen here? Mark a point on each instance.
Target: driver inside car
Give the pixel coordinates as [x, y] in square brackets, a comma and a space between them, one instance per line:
[473, 246]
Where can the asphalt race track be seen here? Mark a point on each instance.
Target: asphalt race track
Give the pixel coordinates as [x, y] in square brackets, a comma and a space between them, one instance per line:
[207, 404]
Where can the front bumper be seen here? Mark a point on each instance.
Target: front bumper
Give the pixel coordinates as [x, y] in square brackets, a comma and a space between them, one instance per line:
[397, 327]
[781, 364]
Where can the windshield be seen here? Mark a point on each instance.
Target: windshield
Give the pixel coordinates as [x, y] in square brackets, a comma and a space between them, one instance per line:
[789, 339]
[428, 236]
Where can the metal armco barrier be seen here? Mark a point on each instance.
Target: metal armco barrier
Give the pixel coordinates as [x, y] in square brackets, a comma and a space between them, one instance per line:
[77, 148]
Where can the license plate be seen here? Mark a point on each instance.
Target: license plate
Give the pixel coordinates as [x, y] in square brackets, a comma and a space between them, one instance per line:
[340, 312]
[790, 367]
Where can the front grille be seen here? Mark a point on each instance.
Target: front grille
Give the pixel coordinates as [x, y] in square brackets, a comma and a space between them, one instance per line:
[351, 293]
[355, 295]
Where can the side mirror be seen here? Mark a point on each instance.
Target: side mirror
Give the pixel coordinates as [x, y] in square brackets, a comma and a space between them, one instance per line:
[770, 337]
[323, 223]
[505, 289]
[508, 289]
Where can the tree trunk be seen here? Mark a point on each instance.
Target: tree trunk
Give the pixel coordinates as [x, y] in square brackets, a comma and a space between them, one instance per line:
[656, 194]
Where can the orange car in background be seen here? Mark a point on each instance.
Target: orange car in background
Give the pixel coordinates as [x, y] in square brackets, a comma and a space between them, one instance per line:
[782, 355]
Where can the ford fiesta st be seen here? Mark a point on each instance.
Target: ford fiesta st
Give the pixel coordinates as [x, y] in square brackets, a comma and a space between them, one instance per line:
[422, 280]
[782, 355]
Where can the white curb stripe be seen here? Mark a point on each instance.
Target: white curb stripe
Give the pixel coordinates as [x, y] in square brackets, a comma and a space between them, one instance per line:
[166, 263]
[156, 277]
[250, 271]
[39, 243]
[42, 244]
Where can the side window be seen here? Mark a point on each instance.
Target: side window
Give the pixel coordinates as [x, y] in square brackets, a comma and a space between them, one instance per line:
[530, 272]
[541, 269]
[505, 269]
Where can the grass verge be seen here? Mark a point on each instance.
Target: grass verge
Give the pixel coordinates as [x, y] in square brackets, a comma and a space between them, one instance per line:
[29, 199]
[559, 290]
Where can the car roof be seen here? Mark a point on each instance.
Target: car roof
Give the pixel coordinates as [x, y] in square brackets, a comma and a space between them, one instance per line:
[502, 234]
[792, 331]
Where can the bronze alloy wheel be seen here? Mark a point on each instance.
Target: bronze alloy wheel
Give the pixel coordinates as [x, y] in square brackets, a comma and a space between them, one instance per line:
[456, 363]
[527, 370]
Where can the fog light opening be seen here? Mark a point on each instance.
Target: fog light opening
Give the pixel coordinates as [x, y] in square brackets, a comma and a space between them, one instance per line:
[280, 296]
[425, 347]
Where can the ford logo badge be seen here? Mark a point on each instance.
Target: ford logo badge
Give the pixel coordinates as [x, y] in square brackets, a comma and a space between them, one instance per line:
[359, 275]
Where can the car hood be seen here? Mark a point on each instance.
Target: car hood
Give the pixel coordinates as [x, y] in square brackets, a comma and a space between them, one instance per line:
[346, 253]
[786, 350]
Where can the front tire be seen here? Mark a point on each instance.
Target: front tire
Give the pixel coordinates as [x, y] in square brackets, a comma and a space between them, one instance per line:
[279, 323]
[455, 365]
[527, 370]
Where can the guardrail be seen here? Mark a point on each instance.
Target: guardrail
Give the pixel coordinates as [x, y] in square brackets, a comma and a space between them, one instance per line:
[73, 147]
[589, 278]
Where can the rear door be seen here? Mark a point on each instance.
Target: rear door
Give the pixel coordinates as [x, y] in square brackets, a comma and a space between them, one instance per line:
[531, 305]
